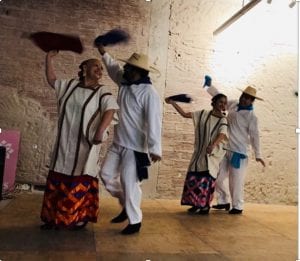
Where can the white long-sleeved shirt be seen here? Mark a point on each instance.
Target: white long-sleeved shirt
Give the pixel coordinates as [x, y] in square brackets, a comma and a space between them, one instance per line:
[140, 120]
[242, 127]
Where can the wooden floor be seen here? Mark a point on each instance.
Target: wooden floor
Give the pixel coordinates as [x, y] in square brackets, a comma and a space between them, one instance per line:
[168, 233]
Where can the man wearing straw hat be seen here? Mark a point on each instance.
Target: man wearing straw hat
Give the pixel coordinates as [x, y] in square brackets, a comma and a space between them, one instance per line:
[243, 130]
[137, 136]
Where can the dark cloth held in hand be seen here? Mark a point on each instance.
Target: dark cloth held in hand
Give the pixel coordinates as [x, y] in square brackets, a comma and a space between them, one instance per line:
[142, 164]
[181, 98]
[48, 41]
[112, 37]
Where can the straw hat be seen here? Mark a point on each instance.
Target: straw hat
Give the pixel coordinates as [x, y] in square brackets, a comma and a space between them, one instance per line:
[250, 91]
[141, 61]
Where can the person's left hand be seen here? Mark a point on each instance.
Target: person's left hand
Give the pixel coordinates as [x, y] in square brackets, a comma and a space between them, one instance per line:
[209, 149]
[154, 157]
[96, 141]
[101, 49]
[261, 161]
[97, 138]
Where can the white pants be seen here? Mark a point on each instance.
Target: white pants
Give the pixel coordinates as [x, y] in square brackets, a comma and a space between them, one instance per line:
[119, 176]
[230, 182]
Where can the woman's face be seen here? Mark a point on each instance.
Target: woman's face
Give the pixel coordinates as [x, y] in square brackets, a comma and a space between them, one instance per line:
[220, 104]
[94, 70]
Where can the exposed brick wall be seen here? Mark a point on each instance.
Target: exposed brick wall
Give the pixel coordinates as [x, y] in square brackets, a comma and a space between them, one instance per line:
[194, 52]
[27, 102]
[178, 36]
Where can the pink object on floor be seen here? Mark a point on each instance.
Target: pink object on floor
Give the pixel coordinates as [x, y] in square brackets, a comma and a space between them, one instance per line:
[10, 139]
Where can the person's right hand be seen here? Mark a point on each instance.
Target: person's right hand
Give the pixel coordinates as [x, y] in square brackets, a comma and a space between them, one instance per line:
[169, 101]
[52, 53]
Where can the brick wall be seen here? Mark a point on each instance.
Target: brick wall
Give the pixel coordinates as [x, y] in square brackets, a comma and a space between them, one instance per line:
[177, 34]
[262, 53]
[27, 102]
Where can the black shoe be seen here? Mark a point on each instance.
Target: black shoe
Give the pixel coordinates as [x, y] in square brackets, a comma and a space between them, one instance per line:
[222, 206]
[131, 229]
[120, 218]
[47, 226]
[193, 209]
[204, 211]
[79, 226]
[235, 211]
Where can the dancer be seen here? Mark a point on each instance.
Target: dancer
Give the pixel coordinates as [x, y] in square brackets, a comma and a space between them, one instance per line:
[85, 110]
[243, 130]
[210, 137]
[137, 136]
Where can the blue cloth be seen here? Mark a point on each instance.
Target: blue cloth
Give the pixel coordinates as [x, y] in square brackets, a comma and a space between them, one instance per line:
[207, 81]
[236, 159]
[249, 107]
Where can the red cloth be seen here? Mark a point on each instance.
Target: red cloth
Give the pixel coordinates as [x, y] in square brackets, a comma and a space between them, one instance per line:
[48, 41]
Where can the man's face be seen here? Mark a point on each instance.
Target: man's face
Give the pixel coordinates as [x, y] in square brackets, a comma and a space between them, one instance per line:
[246, 99]
[129, 72]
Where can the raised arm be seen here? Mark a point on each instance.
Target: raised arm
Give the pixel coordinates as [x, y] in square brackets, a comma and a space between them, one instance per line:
[179, 109]
[113, 68]
[212, 90]
[50, 74]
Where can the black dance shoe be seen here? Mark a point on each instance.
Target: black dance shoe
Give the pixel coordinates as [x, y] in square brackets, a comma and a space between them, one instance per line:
[235, 211]
[204, 211]
[131, 229]
[222, 206]
[47, 226]
[120, 218]
[79, 226]
[193, 209]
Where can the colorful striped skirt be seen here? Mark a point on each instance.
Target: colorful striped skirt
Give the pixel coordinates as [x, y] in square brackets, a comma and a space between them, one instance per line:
[198, 189]
[69, 200]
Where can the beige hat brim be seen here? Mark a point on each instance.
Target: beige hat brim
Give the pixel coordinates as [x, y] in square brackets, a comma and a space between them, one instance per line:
[256, 97]
[151, 69]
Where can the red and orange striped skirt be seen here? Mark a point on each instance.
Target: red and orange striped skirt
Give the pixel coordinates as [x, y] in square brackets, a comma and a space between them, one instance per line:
[69, 200]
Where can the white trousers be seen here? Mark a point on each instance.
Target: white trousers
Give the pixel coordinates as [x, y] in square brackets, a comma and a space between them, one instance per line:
[230, 182]
[119, 176]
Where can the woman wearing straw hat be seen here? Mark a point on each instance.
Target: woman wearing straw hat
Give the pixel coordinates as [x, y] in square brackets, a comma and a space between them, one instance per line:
[137, 136]
[243, 130]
